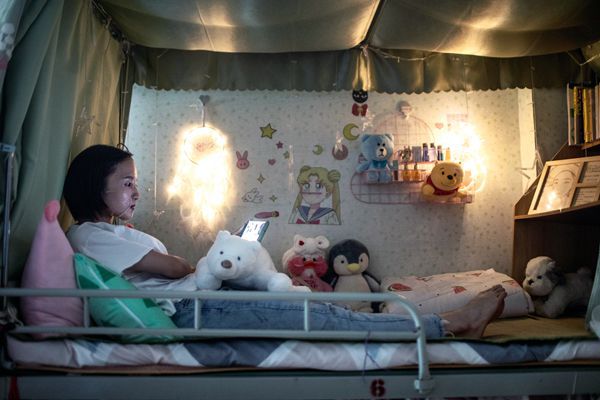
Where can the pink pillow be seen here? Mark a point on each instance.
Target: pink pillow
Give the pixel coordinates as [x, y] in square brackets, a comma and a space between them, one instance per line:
[50, 265]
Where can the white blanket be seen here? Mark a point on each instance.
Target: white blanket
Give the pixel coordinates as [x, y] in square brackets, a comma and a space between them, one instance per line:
[445, 292]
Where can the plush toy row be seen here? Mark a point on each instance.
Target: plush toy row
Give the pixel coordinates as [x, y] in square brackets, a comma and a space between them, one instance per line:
[242, 264]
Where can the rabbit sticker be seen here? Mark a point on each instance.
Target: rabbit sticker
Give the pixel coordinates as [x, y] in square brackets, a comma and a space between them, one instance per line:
[242, 160]
[253, 196]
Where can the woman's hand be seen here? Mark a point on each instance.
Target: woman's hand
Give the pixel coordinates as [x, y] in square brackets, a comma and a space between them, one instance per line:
[167, 265]
[180, 268]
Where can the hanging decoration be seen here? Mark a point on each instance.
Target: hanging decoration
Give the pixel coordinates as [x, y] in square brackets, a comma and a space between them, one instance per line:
[201, 175]
[466, 147]
[339, 150]
[359, 108]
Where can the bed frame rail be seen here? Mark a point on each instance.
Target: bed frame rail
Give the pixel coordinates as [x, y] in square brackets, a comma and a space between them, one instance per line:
[423, 384]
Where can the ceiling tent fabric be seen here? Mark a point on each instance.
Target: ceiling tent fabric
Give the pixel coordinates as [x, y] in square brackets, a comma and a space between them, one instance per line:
[492, 28]
[380, 45]
[244, 26]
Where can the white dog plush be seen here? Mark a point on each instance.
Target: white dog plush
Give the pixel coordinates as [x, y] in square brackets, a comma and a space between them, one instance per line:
[244, 264]
[554, 291]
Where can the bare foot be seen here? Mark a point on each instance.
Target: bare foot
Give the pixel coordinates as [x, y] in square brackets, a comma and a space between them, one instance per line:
[471, 320]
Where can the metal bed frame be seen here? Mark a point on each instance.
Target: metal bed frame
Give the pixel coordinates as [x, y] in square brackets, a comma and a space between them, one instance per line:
[230, 383]
[253, 383]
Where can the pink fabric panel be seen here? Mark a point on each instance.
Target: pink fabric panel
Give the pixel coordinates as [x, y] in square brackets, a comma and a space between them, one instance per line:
[50, 265]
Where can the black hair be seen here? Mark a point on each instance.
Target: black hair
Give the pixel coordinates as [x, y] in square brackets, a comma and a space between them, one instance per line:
[86, 180]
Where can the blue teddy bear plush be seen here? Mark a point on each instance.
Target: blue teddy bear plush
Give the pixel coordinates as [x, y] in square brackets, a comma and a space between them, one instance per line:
[377, 149]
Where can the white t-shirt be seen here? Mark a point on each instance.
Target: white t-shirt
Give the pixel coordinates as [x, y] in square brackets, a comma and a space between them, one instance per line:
[118, 248]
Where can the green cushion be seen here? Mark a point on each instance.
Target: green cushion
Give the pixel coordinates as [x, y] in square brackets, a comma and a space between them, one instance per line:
[120, 312]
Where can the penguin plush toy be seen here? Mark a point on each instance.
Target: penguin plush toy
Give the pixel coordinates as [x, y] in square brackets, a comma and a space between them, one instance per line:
[348, 261]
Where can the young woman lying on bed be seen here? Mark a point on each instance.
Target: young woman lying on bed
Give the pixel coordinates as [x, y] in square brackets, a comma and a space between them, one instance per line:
[101, 186]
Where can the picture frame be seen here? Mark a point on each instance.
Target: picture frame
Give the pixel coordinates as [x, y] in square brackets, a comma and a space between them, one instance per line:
[567, 183]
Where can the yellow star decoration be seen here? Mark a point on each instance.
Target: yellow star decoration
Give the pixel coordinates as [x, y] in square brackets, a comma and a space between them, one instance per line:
[267, 131]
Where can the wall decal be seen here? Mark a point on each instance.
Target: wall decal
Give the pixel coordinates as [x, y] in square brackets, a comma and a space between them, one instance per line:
[273, 198]
[271, 161]
[286, 154]
[252, 196]
[339, 151]
[242, 160]
[279, 145]
[267, 214]
[360, 107]
[260, 178]
[267, 131]
[317, 149]
[348, 131]
[316, 185]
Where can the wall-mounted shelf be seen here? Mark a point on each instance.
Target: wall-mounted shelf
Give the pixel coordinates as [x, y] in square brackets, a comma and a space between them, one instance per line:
[395, 192]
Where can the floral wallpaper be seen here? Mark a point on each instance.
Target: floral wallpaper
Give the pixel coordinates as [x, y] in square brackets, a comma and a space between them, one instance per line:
[272, 135]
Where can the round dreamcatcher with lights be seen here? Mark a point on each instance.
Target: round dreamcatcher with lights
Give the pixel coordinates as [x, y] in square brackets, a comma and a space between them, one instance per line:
[200, 143]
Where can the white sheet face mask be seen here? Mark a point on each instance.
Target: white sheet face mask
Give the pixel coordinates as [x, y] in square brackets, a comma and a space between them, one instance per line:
[121, 194]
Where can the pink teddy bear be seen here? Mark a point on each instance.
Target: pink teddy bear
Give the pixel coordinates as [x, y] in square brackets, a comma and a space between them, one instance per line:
[305, 262]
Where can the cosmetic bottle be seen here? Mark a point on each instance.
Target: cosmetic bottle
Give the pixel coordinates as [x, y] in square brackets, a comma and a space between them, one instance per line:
[416, 154]
[425, 152]
[432, 152]
[440, 153]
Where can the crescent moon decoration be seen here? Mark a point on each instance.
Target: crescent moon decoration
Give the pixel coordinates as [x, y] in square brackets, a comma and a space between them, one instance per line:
[318, 149]
[348, 131]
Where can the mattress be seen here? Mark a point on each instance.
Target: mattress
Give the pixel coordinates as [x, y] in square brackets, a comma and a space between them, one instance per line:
[260, 353]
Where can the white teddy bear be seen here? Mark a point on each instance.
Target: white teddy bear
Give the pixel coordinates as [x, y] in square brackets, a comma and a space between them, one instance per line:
[243, 264]
[554, 291]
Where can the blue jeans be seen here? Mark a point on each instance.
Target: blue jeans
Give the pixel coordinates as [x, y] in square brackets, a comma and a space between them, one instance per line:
[229, 314]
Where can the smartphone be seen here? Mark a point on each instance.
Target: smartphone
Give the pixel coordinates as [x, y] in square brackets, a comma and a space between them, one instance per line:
[254, 230]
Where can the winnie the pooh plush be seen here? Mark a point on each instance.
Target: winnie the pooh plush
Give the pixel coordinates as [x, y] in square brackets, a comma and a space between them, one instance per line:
[443, 183]
[241, 264]
[377, 149]
[305, 262]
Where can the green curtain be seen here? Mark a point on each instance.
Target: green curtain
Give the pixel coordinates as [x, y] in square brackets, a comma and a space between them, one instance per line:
[392, 71]
[61, 93]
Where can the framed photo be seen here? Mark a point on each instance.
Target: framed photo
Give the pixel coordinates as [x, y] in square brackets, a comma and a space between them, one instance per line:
[567, 183]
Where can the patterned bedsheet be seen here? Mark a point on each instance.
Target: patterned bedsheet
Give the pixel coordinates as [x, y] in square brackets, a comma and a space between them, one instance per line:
[331, 356]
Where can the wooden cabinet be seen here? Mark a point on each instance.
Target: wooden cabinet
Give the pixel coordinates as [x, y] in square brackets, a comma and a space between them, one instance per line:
[570, 236]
